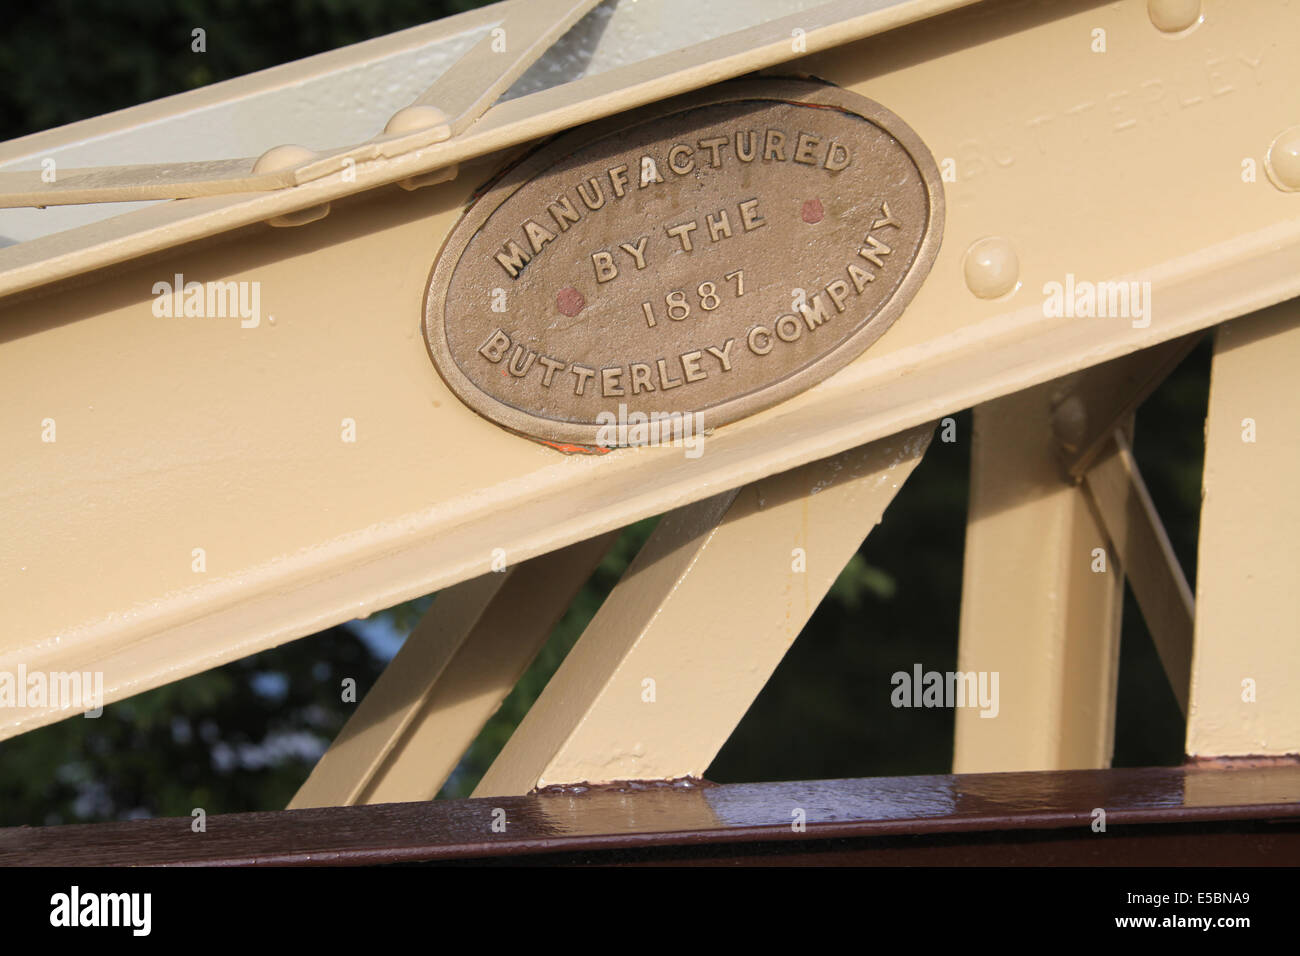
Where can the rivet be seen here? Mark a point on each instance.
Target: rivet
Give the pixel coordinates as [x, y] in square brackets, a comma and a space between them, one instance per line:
[300, 217]
[992, 269]
[1174, 16]
[282, 157]
[1283, 160]
[286, 157]
[413, 118]
[419, 181]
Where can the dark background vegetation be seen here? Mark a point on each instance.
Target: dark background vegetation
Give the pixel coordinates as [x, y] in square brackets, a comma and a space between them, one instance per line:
[244, 736]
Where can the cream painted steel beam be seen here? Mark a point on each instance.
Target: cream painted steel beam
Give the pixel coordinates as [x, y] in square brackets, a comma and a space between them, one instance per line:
[1091, 418]
[455, 100]
[452, 673]
[186, 433]
[1087, 418]
[482, 75]
[95, 184]
[404, 156]
[1041, 601]
[435, 45]
[702, 617]
[1245, 694]
[1141, 546]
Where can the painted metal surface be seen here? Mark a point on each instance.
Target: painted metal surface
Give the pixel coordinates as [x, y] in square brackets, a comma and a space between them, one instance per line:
[1245, 696]
[903, 820]
[234, 444]
[240, 462]
[450, 676]
[1085, 419]
[454, 101]
[1140, 546]
[1041, 600]
[700, 620]
[344, 96]
[712, 48]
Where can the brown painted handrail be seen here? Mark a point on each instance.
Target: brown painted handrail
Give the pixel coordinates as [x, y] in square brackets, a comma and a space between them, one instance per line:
[980, 818]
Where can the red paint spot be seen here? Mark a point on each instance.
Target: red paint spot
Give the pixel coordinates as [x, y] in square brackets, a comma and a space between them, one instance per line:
[570, 301]
[813, 211]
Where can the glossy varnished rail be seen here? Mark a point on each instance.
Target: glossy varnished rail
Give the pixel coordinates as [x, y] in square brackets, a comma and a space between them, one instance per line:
[1189, 816]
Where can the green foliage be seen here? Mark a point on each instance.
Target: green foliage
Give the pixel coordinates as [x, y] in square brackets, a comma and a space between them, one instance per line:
[859, 580]
[240, 737]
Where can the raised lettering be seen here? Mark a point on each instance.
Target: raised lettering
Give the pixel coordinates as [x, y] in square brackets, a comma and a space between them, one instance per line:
[563, 213]
[618, 179]
[596, 198]
[641, 378]
[877, 250]
[666, 382]
[513, 258]
[691, 366]
[774, 145]
[747, 149]
[603, 262]
[494, 349]
[720, 227]
[552, 366]
[674, 159]
[583, 376]
[538, 236]
[837, 157]
[723, 356]
[521, 360]
[749, 217]
[714, 144]
[813, 317]
[637, 252]
[803, 150]
[682, 231]
[609, 382]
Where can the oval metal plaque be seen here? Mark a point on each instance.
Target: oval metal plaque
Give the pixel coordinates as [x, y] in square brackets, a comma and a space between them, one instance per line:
[710, 256]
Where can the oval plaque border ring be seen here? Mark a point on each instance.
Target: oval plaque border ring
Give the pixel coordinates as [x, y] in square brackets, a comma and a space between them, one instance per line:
[638, 128]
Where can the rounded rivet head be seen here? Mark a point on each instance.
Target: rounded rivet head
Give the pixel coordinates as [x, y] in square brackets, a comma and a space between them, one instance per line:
[300, 217]
[992, 269]
[414, 118]
[1174, 16]
[282, 157]
[1283, 160]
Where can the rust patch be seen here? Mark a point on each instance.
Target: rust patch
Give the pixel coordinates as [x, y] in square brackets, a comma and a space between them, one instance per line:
[571, 449]
[625, 786]
[1249, 761]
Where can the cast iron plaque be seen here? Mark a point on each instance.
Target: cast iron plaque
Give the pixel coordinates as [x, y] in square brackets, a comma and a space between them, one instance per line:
[710, 255]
